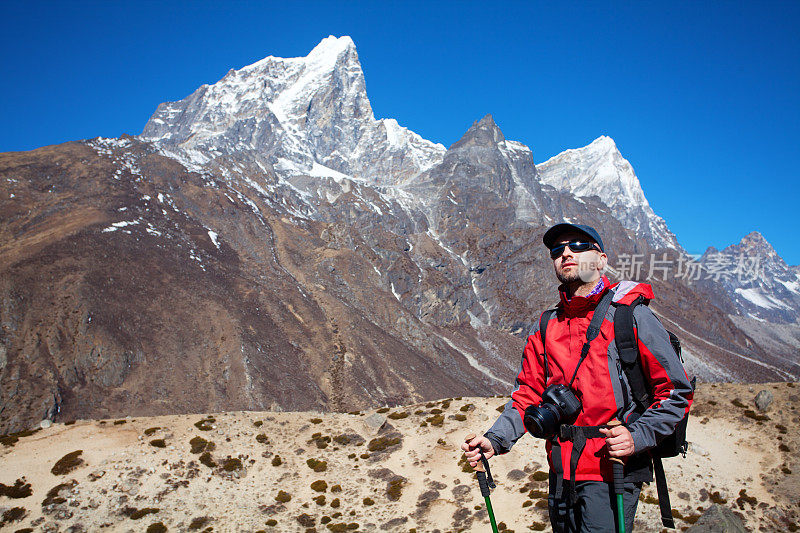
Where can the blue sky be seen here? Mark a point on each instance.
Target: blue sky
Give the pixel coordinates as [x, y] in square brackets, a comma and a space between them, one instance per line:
[701, 97]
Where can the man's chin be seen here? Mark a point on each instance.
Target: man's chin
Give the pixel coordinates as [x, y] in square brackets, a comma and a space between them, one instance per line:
[567, 278]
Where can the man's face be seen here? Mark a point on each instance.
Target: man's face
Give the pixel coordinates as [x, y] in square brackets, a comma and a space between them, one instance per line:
[572, 266]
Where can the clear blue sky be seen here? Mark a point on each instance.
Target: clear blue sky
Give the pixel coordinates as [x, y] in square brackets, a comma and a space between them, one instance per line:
[701, 97]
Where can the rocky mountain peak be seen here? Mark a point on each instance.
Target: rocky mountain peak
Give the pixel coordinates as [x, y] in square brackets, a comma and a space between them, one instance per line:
[603, 143]
[755, 245]
[754, 239]
[483, 132]
[599, 169]
[303, 115]
[757, 279]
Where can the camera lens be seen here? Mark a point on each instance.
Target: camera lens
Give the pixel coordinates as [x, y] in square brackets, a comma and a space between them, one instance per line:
[542, 421]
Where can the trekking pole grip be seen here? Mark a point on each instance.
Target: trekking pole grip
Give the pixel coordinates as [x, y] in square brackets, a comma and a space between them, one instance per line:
[480, 470]
[618, 465]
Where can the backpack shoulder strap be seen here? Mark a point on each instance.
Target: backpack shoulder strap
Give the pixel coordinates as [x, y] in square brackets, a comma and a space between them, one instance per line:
[628, 351]
[543, 321]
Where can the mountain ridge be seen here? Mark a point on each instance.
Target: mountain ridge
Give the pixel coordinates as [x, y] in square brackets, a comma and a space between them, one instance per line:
[249, 274]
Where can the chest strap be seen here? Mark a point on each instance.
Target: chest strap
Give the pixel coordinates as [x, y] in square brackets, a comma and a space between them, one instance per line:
[578, 435]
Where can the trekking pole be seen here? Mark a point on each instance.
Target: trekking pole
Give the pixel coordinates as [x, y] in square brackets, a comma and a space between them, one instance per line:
[619, 488]
[485, 482]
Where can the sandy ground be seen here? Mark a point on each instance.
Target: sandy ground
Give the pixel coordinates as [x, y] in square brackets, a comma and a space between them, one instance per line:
[337, 472]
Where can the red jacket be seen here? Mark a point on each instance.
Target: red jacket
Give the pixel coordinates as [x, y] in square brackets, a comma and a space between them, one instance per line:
[599, 382]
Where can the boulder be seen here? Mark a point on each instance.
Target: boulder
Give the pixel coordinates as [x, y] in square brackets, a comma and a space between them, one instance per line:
[763, 400]
[374, 422]
[718, 519]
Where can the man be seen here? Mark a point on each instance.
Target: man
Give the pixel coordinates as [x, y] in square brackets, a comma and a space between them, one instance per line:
[581, 494]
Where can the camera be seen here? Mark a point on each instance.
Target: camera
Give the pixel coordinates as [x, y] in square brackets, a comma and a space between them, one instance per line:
[559, 406]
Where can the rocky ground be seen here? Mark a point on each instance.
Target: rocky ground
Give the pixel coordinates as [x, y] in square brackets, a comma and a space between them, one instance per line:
[393, 469]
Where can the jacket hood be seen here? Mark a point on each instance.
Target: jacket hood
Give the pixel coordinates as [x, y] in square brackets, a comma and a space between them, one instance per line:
[625, 293]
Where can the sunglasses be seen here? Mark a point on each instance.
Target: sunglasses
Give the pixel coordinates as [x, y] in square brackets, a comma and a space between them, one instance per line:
[575, 246]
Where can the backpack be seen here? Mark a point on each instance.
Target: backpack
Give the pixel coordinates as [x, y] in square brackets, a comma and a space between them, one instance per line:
[673, 444]
[628, 350]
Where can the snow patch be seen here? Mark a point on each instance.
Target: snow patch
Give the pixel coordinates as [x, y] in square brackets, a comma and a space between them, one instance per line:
[756, 297]
[213, 235]
[117, 225]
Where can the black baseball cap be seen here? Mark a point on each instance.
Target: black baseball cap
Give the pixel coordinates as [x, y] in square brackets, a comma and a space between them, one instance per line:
[552, 235]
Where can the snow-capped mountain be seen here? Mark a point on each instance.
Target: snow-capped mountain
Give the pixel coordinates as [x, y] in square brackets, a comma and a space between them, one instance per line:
[757, 279]
[311, 117]
[266, 243]
[600, 170]
[305, 115]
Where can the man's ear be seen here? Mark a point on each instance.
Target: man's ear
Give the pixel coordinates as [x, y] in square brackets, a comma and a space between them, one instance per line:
[602, 263]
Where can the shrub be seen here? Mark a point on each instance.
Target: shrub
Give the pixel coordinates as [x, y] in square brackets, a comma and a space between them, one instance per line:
[319, 485]
[68, 463]
[158, 443]
[283, 497]
[436, 420]
[53, 495]
[135, 514]
[12, 515]
[715, 497]
[198, 444]
[205, 424]
[149, 431]
[395, 490]
[231, 464]
[207, 460]
[19, 489]
[306, 520]
[199, 523]
[317, 466]
[380, 444]
[540, 476]
[744, 498]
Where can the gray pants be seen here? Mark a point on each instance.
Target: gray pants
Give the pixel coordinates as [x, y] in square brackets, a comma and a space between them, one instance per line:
[595, 508]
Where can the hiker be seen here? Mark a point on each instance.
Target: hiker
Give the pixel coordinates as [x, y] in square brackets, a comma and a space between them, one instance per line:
[591, 391]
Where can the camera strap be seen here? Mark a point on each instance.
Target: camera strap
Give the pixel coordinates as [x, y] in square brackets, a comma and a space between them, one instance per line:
[578, 435]
[594, 328]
